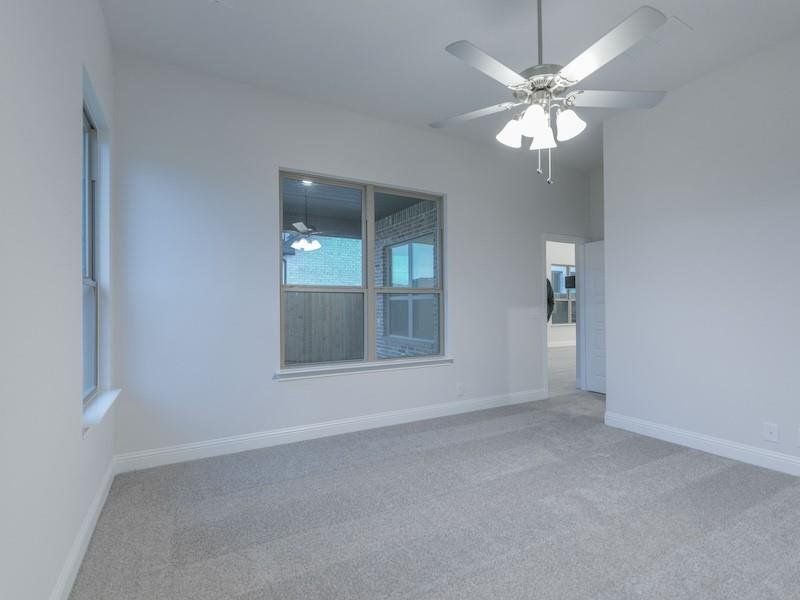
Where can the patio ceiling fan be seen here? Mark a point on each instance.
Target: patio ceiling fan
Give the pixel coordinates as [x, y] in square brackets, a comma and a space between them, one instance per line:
[548, 89]
[303, 239]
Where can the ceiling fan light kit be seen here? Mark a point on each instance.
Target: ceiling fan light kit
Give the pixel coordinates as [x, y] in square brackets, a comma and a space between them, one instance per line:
[569, 124]
[544, 140]
[300, 244]
[511, 134]
[534, 121]
[544, 90]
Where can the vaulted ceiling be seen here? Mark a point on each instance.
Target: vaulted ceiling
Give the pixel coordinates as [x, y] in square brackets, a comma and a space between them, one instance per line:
[386, 58]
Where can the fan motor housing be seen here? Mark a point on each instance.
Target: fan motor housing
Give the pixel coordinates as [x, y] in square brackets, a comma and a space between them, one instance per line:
[541, 76]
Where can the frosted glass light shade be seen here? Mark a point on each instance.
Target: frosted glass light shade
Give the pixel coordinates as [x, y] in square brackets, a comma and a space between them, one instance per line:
[544, 140]
[533, 121]
[313, 245]
[300, 244]
[510, 135]
[569, 125]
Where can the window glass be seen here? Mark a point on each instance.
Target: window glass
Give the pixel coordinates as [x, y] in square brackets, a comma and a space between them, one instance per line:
[323, 327]
[424, 317]
[560, 313]
[322, 234]
[565, 310]
[407, 325]
[400, 263]
[399, 315]
[90, 303]
[89, 339]
[558, 274]
[327, 302]
[87, 200]
[422, 262]
[406, 241]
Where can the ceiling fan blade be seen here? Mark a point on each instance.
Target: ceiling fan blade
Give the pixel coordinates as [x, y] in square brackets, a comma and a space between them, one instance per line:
[476, 114]
[478, 59]
[301, 227]
[627, 34]
[614, 99]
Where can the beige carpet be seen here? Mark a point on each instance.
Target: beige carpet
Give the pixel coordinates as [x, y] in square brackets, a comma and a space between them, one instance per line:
[535, 501]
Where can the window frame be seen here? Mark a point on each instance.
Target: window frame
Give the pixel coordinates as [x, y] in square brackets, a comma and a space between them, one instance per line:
[571, 298]
[89, 220]
[370, 290]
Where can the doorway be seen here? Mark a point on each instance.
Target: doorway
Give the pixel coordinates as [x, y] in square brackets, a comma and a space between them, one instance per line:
[561, 274]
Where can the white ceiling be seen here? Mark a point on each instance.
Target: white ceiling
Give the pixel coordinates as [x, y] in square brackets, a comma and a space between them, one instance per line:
[386, 57]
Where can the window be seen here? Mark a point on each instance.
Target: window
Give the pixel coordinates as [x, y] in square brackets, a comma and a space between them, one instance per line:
[565, 310]
[411, 263]
[412, 316]
[360, 272]
[91, 297]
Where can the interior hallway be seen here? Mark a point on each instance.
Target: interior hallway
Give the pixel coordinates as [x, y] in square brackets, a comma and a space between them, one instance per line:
[561, 370]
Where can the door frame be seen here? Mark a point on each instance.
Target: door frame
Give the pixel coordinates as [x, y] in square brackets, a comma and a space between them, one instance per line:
[580, 333]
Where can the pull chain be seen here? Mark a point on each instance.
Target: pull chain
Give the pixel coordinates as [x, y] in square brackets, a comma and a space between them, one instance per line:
[549, 165]
[539, 170]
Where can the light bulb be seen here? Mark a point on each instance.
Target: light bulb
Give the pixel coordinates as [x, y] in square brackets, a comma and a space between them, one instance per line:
[510, 135]
[313, 245]
[533, 121]
[300, 244]
[307, 182]
[544, 140]
[569, 125]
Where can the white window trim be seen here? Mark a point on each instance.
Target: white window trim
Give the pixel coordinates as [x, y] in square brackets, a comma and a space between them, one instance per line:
[95, 410]
[369, 288]
[354, 367]
[98, 404]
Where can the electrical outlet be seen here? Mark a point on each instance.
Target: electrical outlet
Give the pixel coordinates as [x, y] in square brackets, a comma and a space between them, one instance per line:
[770, 431]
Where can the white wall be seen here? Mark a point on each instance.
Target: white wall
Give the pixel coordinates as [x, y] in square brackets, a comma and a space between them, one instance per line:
[50, 474]
[702, 217]
[559, 253]
[198, 288]
[596, 205]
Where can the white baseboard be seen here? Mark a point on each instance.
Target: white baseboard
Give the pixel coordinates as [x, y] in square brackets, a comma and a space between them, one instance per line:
[72, 564]
[134, 461]
[769, 459]
[561, 344]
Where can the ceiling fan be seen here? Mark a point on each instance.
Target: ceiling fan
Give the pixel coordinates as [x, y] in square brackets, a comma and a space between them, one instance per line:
[305, 241]
[304, 237]
[546, 88]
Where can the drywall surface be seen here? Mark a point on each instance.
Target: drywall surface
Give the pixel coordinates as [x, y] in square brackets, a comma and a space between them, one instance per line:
[596, 205]
[50, 474]
[198, 283]
[702, 236]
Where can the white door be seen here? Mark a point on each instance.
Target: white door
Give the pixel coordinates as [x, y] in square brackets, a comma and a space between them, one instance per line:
[595, 317]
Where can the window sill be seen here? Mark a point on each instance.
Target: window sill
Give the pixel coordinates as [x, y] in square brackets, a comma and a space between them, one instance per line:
[95, 411]
[294, 373]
